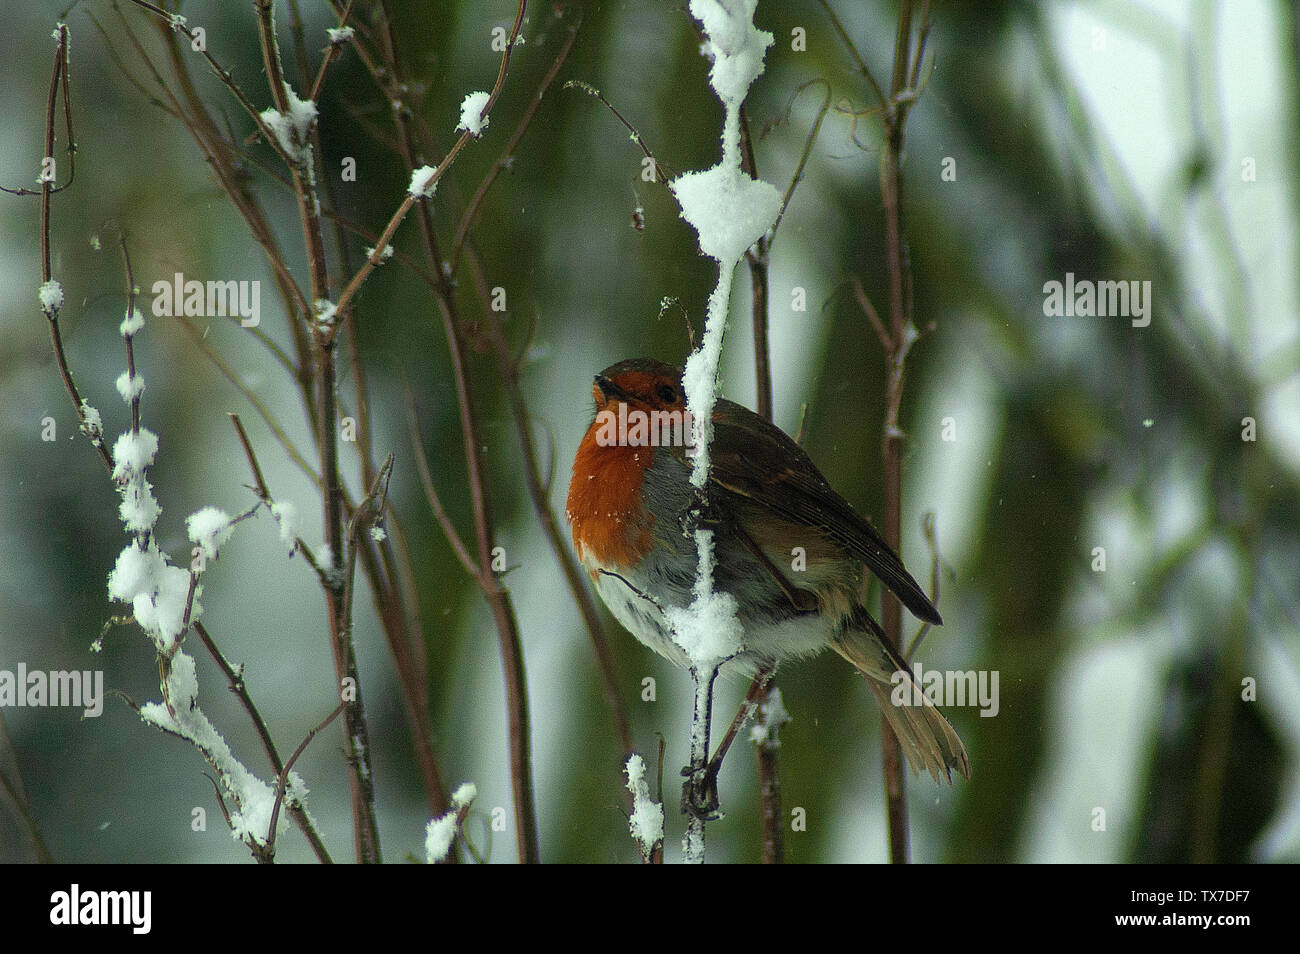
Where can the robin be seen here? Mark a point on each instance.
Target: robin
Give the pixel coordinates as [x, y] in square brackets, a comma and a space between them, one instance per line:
[788, 548]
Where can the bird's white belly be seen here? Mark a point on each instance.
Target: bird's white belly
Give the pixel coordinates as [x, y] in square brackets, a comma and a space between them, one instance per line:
[764, 640]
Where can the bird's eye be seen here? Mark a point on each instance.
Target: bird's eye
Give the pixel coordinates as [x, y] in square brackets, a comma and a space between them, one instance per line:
[667, 394]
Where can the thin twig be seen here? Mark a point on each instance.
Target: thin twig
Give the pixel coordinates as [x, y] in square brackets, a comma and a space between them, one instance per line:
[809, 141]
[282, 778]
[240, 689]
[873, 316]
[431, 492]
[662, 172]
[895, 338]
[59, 73]
[281, 436]
[932, 541]
[853, 51]
[503, 162]
[497, 596]
[440, 170]
[758, 258]
[509, 366]
[223, 74]
[333, 53]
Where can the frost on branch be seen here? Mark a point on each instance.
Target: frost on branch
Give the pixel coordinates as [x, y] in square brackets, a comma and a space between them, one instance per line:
[51, 296]
[384, 256]
[92, 424]
[130, 386]
[131, 324]
[326, 311]
[208, 529]
[164, 601]
[440, 833]
[647, 819]
[252, 800]
[472, 119]
[708, 630]
[286, 515]
[158, 592]
[292, 129]
[133, 452]
[423, 182]
[772, 715]
[728, 209]
[734, 44]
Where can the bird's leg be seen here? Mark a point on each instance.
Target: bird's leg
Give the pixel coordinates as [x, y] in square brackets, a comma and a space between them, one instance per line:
[757, 688]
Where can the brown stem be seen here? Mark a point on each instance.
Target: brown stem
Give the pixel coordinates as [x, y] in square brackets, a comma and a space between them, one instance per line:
[757, 689]
[220, 156]
[769, 785]
[497, 596]
[324, 332]
[769, 790]
[330, 56]
[509, 367]
[896, 339]
[382, 570]
[282, 779]
[47, 191]
[769, 793]
[16, 794]
[387, 574]
[238, 687]
[900, 324]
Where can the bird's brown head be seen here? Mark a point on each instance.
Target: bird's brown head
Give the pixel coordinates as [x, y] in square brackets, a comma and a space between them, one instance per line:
[639, 383]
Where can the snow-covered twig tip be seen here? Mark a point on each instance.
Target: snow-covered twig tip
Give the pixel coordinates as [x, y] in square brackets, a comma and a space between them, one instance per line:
[440, 833]
[423, 182]
[771, 716]
[472, 119]
[647, 819]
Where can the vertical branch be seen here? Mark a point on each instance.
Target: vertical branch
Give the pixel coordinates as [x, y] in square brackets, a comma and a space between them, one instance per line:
[756, 258]
[701, 719]
[766, 738]
[1208, 787]
[497, 596]
[769, 795]
[236, 680]
[769, 783]
[60, 74]
[324, 329]
[14, 795]
[387, 573]
[509, 366]
[896, 338]
[900, 334]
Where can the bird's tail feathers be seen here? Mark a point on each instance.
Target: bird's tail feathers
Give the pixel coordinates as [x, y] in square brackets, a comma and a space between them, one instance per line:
[929, 740]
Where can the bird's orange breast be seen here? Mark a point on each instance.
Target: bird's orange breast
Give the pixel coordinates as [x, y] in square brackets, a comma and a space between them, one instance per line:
[611, 524]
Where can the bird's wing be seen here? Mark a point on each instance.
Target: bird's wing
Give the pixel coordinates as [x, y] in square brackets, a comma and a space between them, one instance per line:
[755, 459]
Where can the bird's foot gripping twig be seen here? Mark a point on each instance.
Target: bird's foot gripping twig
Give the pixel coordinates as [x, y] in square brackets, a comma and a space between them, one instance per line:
[702, 514]
[700, 792]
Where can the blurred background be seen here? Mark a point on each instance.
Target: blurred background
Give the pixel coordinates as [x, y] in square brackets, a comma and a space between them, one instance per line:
[1148, 711]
